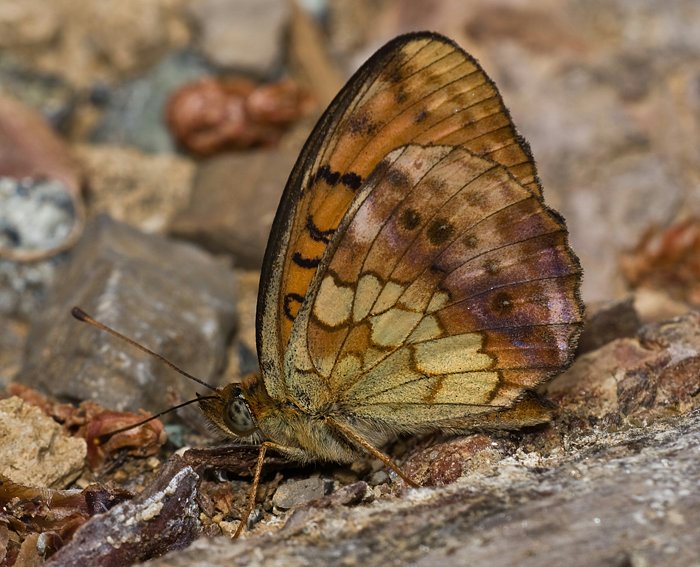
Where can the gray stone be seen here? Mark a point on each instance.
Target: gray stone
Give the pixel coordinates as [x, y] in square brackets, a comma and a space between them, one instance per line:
[169, 296]
[234, 201]
[24, 287]
[34, 214]
[242, 34]
[134, 112]
[294, 493]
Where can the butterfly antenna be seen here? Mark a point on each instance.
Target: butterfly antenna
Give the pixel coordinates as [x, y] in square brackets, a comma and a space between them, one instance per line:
[101, 439]
[80, 315]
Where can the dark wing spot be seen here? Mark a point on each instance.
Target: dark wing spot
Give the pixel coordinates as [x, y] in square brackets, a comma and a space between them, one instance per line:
[502, 303]
[422, 115]
[400, 96]
[409, 219]
[325, 173]
[360, 124]
[299, 260]
[398, 177]
[316, 233]
[292, 304]
[351, 180]
[440, 231]
[332, 178]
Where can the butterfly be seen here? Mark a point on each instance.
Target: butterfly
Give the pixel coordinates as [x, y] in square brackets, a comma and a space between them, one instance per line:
[414, 279]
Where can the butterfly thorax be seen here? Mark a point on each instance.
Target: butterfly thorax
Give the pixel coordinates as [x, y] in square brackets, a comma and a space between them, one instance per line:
[246, 410]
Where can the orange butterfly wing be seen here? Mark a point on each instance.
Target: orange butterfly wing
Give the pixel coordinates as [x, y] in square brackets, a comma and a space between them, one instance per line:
[420, 88]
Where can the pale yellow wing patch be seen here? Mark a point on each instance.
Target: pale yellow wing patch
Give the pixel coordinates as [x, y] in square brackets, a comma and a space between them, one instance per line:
[451, 355]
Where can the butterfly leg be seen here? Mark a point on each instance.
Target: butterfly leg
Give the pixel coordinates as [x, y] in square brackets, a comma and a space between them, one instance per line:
[355, 437]
[250, 506]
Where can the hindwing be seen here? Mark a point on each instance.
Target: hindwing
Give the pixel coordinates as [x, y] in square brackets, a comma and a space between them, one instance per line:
[449, 289]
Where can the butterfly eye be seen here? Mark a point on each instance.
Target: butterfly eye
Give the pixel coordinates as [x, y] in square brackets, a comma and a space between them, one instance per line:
[239, 417]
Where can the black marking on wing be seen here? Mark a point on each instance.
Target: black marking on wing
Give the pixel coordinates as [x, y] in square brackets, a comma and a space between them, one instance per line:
[288, 299]
[318, 234]
[328, 175]
[299, 260]
[350, 179]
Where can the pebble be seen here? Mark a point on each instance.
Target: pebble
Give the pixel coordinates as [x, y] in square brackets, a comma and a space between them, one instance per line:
[34, 450]
[134, 111]
[294, 493]
[169, 296]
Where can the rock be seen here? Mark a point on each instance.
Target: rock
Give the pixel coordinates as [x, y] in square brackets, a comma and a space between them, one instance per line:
[36, 216]
[667, 260]
[653, 305]
[245, 35]
[162, 518]
[84, 43]
[38, 219]
[143, 190]
[42, 212]
[234, 201]
[309, 59]
[41, 209]
[135, 112]
[634, 380]
[608, 321]
[34, 450]
[52, 515]
[294, 493]
[243, 357]
[443, 463]
[169, 296]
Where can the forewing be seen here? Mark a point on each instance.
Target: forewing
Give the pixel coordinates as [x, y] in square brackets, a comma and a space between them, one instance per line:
[420, 88]
[449, 290]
